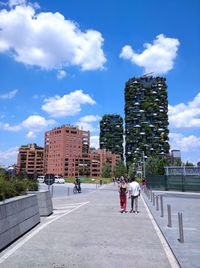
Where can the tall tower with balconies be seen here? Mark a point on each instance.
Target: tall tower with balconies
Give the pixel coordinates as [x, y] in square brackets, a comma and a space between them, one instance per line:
[111, 133]
[146, 118]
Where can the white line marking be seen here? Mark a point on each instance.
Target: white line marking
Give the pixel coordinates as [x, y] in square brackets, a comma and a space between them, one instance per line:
[21, 243]
[172, 260]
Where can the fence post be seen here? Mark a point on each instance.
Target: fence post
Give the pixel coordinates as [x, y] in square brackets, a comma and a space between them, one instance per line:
[161, 206]
[157, 204]
[169, 216]
[180, 224]
[183, 183]
[166, 182]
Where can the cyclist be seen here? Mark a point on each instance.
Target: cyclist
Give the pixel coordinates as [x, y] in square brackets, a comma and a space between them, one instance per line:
[77, 183]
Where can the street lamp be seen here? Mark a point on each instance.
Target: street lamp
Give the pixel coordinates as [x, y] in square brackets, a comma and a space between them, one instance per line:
[144, 168]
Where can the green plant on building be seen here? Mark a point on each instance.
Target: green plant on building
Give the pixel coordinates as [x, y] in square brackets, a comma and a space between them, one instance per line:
[146, 118]
[111, 133]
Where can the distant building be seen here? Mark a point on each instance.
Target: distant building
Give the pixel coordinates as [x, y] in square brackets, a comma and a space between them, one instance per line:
[30, 160]
[98, 158]
[146, 118]
[67, 151]
[176, 157]
[111, 133]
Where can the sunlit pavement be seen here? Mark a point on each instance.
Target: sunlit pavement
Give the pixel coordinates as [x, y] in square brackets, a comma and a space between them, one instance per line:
[87, 230]
[187, 253]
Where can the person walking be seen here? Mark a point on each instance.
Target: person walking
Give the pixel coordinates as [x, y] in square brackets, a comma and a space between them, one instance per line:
[134, 193]
[123, 190]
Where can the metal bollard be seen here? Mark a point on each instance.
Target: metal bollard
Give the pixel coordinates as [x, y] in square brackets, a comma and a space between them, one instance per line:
[169, 216]
[180, 225]
[52, 188]
[157, 204]
[151, 195]
[153, 199]
[161, 207]
[96, 185]
[67, 190]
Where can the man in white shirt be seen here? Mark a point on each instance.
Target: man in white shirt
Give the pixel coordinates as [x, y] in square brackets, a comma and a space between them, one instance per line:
[134, 192]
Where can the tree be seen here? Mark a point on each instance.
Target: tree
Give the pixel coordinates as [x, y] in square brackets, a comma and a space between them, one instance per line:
[155, 165]
[106, 170]
[131, 171]
[120, 169]
[177, 162]
[189, 164]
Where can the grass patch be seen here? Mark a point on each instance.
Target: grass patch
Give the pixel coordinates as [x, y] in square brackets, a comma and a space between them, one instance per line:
[89, 180]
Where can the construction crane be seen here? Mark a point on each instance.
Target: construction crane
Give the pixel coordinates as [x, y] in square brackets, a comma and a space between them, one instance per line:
[147, 74]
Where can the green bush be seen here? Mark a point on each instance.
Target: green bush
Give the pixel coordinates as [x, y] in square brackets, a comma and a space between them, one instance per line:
[15, 187]
[32, 185]
[6, 189]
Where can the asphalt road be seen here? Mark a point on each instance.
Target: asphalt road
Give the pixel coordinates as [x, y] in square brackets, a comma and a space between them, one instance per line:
[64, 190]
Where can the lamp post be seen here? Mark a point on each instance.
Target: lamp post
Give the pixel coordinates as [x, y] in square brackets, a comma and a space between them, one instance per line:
[144, 171]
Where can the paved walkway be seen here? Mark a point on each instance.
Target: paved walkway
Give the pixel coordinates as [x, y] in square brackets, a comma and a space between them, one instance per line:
[86, 231]
[187, 253]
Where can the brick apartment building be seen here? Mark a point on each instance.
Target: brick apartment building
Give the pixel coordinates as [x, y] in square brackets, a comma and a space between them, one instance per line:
[67, 151]
[30, 160]
[98, 158]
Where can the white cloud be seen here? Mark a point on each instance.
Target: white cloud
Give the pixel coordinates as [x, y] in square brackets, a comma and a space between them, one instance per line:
[9, 156]
[8, 127]
[48, 40]
[157, 57]
[94, 142]
[86, 122]
[68, 104]
[37, 123]
[61, 74]
[185, 115]
[31, 135]
[90, 118]
[9, 95]
[187, 144]
[34, 123]
[13, 3]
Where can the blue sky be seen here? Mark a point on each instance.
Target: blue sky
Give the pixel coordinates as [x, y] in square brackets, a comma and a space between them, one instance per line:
[66, 62]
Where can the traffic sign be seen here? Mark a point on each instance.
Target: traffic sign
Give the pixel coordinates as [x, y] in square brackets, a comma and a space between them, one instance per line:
[49, 179]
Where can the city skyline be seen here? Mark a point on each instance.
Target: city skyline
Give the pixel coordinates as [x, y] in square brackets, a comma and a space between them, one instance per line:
[68, 64]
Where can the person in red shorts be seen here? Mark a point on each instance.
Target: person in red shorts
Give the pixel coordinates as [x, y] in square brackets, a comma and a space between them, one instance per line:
[123, 190]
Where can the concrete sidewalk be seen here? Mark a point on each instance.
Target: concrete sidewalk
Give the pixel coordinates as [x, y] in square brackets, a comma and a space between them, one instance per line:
[86, 231]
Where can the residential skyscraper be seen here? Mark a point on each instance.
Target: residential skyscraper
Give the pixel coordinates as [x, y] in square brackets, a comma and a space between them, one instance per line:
[111, 133]
[146, 118]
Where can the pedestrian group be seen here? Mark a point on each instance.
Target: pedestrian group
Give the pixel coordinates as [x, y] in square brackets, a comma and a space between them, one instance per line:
[133, 190]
